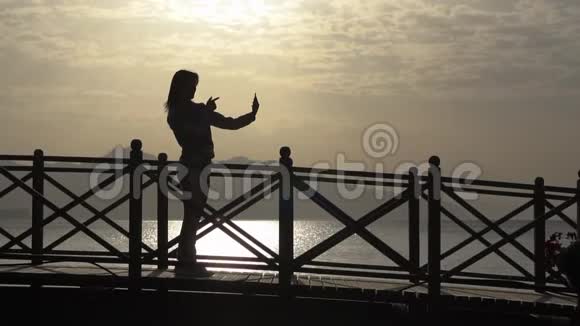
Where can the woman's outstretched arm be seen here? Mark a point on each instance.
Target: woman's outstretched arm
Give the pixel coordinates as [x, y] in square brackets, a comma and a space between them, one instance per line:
[219, 121]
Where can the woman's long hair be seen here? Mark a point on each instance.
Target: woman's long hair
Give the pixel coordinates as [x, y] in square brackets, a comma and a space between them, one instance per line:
[181, 84]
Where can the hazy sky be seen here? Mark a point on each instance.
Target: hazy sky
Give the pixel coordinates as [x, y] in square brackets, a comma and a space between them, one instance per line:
[495, 82]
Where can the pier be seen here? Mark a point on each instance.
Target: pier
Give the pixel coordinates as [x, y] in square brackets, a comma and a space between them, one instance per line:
[280, 275]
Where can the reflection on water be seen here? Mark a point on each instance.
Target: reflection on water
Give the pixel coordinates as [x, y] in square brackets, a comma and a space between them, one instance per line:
[308, 233]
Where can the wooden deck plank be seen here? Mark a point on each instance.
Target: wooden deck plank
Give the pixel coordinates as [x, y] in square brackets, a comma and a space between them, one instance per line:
[255, 277]
[275, 279]
[316, 285]
[316, 281]
[301, 280]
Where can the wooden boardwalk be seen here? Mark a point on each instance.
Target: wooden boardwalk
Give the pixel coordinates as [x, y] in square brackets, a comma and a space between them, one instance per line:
[453, 297]
[419, 284]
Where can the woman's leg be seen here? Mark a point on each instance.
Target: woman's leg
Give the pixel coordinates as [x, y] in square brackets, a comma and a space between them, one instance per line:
[200, 196]
[192, 211]
[186, 250]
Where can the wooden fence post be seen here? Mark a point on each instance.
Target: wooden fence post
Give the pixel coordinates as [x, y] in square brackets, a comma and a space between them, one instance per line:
[135, 215]
[162, 213]
[414, 228]
[37, 206]
[286, 222]
[539, 234]
[578, 235]
[434, 232]
[578, 209]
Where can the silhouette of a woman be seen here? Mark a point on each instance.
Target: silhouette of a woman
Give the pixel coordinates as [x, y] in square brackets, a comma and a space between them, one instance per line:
[191, 124]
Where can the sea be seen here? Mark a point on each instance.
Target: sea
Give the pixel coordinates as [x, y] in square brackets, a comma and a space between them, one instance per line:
[310, 232]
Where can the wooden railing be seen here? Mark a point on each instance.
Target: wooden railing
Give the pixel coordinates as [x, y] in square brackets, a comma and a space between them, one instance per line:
[284, 178]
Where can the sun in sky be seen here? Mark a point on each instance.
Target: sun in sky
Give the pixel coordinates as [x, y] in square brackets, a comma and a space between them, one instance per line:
[227, 12]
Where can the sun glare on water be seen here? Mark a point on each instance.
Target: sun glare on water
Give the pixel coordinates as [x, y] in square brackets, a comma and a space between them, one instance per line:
[220, 11]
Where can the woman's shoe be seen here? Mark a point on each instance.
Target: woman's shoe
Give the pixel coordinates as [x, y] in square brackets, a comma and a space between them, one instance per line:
[201, 271]
[192, 269]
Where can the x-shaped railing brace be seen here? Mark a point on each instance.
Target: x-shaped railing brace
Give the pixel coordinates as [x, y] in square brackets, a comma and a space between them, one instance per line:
[563, 216]
[494, 226]
[99, 215]
[62, 211]
[509, 238]
[475, 235]
[354, 226]
[218, 218]
[3, 193]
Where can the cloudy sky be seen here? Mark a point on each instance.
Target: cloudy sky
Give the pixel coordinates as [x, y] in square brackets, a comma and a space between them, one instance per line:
[494, 82]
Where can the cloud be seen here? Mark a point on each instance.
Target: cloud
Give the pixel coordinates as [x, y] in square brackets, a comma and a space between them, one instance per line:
[375, 47]
[324, 70]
